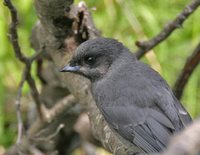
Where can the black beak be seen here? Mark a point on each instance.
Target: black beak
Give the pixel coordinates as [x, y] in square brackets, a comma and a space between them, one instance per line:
[69, 68]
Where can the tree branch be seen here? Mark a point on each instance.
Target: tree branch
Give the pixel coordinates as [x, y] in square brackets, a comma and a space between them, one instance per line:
[145, 46]
[187, 142]
[51, 114]
[186, 72]
[25, 60]
[13, 31]
[18, 109]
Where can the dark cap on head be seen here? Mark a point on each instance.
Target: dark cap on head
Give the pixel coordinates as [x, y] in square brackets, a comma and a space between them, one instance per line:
[93, 58]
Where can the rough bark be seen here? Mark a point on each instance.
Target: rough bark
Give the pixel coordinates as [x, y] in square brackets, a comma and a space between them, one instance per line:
[59, 41]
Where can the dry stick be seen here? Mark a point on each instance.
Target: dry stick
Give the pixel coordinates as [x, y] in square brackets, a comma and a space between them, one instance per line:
[187, 70]
[61, 106]
[13, 31]
[49, 137]
[18, 107]
[27, 61]
[146, 46]
[55, 111]
[18, 103]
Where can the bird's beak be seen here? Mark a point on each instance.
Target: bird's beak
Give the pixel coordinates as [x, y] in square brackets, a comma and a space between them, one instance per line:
[69, 68]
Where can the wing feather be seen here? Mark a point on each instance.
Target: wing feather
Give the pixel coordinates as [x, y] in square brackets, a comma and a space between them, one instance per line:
[140, 126]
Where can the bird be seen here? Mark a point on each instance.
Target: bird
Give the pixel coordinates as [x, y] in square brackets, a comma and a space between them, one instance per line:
[136, 102]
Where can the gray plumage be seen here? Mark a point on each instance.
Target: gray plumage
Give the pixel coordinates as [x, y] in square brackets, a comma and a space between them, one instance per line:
[134, 99]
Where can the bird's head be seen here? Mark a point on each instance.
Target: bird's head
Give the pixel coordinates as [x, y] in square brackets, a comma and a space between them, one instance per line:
[93, 58]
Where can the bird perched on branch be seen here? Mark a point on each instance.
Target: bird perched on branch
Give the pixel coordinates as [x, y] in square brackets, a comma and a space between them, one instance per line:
[135, 100]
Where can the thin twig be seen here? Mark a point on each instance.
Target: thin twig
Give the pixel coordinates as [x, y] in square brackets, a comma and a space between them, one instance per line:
[145, 46]
[51, 114]
[187, 70]
[26, 60]
[36, 55]
[34, 92]
[18, 109]
[39, 137]
[13, 31]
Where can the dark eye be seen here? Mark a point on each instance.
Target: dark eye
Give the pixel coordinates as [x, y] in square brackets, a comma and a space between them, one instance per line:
[90, 60]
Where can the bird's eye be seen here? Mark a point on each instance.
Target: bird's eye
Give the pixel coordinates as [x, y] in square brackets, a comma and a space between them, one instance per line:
[90, 60]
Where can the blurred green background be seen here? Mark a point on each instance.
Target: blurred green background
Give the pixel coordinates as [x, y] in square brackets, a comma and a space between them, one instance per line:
[125, 20]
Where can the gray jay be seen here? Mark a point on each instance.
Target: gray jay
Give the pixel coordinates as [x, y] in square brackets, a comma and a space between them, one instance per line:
[135, 100]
